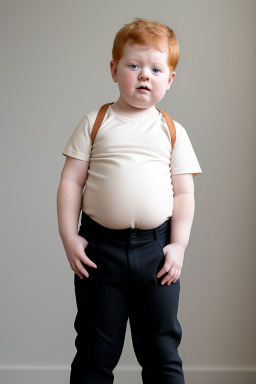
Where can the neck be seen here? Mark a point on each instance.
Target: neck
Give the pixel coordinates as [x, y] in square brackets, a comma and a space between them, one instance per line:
[127, 110]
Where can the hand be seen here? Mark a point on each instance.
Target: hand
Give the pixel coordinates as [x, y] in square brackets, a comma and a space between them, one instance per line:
[174, 256]
[75, 249]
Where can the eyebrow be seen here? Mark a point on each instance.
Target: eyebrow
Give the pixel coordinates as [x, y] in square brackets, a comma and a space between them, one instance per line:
[136, 59]
[132, 58]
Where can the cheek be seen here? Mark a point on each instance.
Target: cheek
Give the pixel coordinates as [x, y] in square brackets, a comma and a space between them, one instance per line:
[127, 80]
[161, 86]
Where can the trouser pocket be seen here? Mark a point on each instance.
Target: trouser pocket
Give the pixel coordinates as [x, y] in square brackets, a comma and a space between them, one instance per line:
[161, 247]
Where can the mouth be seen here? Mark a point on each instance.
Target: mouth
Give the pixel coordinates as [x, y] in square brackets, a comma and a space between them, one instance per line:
[144, 88]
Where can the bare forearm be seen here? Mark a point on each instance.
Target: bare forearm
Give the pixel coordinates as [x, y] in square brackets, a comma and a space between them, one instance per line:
[69, 199]
[182, 218]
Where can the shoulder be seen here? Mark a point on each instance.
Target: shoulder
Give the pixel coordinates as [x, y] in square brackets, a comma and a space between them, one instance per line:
[88, 119]
[179, 128]
[182, 134]
[91, 117]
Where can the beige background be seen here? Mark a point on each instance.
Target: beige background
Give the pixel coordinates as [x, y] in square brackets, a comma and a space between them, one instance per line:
[54, 68]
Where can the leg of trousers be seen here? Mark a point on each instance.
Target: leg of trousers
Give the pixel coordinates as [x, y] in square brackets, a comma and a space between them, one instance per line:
[125, 286]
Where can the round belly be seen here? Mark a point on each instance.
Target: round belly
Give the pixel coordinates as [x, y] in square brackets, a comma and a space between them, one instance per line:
[134, 195]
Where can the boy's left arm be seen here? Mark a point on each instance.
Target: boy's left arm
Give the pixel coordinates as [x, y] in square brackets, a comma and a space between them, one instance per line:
[181, 223]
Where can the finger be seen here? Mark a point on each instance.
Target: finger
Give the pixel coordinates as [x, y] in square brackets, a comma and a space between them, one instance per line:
[74, 268]
[88, 261]
[165, 279]
[79, 269]
[80, 275]
[175, 278]
[163, 270]
[170, 275]
[84, 272]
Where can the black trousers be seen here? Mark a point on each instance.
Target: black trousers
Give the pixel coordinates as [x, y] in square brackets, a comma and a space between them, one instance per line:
[125, 286]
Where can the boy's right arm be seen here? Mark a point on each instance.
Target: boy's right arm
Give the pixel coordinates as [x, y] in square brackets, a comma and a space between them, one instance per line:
[69, 200]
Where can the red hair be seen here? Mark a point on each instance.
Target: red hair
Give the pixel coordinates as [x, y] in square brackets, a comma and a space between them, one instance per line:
[144, 31]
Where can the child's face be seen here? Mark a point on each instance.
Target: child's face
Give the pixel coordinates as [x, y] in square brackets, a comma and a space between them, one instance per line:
[139, 66]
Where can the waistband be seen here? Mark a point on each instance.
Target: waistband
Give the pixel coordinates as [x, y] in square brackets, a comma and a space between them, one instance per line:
[90, 226]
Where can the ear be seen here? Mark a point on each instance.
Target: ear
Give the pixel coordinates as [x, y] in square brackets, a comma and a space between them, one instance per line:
[171, 78]
[113, 69]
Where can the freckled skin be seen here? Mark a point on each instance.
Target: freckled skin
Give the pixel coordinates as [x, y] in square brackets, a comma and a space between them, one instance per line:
[139, 65]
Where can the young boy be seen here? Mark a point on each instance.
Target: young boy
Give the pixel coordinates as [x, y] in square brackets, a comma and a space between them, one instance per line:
[137, 213]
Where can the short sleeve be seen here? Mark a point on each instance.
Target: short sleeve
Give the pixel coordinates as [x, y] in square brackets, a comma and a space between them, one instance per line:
[79, 143]
[183, 157]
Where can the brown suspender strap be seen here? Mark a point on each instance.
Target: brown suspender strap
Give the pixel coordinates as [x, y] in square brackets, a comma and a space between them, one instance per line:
[103, 110]
[99, 119]
[171, 126]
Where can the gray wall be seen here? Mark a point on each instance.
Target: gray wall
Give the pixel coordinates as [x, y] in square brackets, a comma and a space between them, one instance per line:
[54, 68]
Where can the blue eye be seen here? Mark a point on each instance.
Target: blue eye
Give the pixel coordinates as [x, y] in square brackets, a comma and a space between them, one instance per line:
[133, 65]
[157, 70]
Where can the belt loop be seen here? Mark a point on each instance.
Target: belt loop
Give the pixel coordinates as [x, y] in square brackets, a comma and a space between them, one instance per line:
[156, 233]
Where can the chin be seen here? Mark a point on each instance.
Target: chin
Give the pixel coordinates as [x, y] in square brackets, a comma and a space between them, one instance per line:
[141, 104]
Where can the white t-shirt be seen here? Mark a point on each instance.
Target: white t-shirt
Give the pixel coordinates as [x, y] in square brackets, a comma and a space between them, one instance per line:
[129, 177]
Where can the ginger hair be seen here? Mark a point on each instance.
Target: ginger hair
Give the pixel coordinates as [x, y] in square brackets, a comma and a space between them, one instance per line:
[145, 31]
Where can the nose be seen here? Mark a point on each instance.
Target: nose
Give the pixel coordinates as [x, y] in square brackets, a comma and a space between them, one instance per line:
[143, 75]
